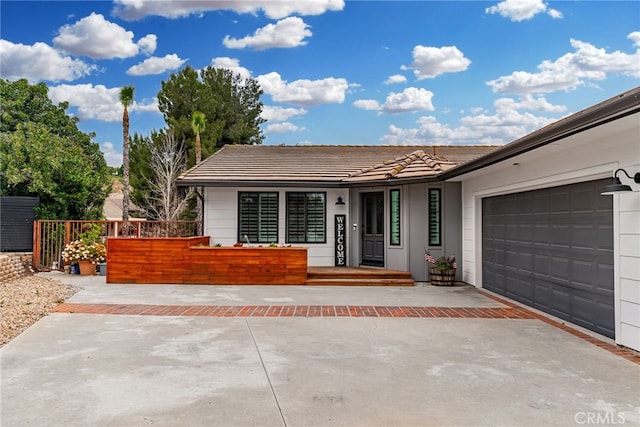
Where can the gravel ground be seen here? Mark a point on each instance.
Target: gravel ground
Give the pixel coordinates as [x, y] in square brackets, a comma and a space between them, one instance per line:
[25, 300]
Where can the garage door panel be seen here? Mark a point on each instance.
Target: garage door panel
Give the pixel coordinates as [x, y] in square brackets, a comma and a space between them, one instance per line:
[604, 279]
[553, 249]
[559, 271]
[560, 201]
[582, 235]
[601, 234]
[560, 235]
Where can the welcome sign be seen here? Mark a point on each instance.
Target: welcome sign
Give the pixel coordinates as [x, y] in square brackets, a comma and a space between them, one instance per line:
[341, 242]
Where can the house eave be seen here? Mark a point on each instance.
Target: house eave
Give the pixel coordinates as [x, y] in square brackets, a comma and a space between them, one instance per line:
[610, 110]
[256, 183]
[307, 184]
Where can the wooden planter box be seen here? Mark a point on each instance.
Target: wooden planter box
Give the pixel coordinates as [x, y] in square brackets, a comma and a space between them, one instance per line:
[187, 260]
[442, 278]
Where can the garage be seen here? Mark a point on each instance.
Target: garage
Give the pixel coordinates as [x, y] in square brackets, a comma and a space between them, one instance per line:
[552, 249]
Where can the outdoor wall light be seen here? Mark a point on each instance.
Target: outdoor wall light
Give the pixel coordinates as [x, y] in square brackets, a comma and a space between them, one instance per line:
[618, 187]
[340, 201]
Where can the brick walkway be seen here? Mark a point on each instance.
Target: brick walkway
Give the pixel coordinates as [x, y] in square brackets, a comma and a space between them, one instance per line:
[294, 311]
[512, 311]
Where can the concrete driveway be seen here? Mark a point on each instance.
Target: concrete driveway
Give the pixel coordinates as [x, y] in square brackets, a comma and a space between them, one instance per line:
[176, 358]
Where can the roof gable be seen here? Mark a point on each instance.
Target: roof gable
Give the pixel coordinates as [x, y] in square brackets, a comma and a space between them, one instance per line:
[416, 164]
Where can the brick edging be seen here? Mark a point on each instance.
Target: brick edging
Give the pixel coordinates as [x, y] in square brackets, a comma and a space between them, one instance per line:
[294, 311]
[628, 354]
[511, 311]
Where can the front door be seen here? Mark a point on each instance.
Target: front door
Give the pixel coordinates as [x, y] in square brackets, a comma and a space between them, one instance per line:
[373, 229]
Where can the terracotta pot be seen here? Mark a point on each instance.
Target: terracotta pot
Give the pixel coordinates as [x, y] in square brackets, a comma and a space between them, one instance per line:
[442, 278]
[87, 268]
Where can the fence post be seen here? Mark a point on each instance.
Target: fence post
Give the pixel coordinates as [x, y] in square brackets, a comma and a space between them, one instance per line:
[36, 244]
[67, 232]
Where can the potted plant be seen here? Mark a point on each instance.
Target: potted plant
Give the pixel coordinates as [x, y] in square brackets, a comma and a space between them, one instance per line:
[85, 254]
[443, 273]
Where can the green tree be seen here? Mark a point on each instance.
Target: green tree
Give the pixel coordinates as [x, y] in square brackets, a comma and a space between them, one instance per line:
[42, 153]
[230, 103]
[126, 99]
[139, 169]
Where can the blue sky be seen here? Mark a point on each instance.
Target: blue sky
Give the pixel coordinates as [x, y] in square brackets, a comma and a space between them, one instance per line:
[334, 72]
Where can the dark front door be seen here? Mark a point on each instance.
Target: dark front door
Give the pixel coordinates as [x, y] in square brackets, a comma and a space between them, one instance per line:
[373, 229]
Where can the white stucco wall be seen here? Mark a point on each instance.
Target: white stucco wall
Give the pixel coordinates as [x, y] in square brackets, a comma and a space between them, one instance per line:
[221, 219]
[589, 155]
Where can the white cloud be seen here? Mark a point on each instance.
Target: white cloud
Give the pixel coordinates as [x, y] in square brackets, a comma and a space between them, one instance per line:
[521, 10]
[138, 9]
[93, 102]
[282, 128]
[232, 64]
[39, 62]
[304, 92]
[155, 65]
[528, 102]
[286, 33]
[430, 62]
[279, 114]
[95, 37]
[367, 104]
[635, 37]
[506, 124]
[148, 44]
[396, 78]
[96, 102]
[113, 157]
[146, 106]
[410, 99]
[555, 14]
[570, 70]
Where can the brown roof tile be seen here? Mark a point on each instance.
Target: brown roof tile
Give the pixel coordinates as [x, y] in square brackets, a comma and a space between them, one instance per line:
[326, 164]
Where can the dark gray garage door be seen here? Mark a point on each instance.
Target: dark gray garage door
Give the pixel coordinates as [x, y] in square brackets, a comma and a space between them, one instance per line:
[552, 249]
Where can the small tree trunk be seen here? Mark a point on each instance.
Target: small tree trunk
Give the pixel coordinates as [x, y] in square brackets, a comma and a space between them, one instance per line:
[125, 165]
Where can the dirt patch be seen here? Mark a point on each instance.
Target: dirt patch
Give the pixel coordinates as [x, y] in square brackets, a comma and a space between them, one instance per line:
[24, 300]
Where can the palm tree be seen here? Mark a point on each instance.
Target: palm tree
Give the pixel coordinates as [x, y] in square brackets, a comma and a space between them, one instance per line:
[126, 99]
[198, 121]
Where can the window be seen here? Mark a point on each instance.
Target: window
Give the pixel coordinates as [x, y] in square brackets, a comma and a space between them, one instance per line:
[435, 215]
[258, 217]
[395, 217]
[306, 218]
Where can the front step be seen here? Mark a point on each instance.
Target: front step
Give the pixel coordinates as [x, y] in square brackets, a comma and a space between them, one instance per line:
[359, 282]
[355, 276]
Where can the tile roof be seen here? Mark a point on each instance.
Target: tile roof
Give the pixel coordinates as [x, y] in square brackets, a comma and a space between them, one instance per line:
[326, 165]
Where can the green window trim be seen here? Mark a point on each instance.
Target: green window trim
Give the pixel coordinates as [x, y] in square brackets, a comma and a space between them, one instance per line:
[435, 217]
[394, 226]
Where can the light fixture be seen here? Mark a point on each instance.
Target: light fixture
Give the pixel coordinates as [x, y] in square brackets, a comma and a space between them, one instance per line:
[618, 187]
[340, 201]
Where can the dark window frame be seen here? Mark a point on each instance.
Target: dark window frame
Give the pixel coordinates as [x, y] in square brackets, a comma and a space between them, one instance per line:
[259, 219]
[306, 229]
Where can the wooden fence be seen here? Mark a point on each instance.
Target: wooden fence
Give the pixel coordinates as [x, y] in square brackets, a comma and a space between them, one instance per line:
[50, 236]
